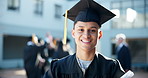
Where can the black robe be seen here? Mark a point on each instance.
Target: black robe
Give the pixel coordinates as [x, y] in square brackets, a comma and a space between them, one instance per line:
[30, 58]
[60, 53]
[124, 57]
[100, 67]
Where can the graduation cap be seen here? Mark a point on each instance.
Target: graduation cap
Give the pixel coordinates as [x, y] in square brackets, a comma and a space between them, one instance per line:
[87, 11]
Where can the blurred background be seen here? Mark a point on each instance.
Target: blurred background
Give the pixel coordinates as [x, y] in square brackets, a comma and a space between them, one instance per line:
[19, 19]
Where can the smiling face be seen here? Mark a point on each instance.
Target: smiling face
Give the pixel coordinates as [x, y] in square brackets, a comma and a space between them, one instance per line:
[85, 34]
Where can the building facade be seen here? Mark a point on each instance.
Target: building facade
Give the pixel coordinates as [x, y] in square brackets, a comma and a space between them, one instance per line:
[132, 20]
[20, 18]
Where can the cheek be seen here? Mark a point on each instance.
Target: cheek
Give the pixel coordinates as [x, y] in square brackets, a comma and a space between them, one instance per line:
[78, 34]
[75, 34]
[95, 35]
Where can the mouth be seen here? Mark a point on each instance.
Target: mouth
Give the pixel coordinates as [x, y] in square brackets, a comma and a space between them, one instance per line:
[86, 41]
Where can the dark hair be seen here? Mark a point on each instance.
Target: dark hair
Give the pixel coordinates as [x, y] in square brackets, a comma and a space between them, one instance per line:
[68, 40]
[30, 38]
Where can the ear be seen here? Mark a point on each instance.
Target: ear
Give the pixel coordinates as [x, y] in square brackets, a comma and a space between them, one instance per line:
[100, 35]
[73, 33]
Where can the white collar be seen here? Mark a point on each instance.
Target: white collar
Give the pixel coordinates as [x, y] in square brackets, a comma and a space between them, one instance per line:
[121, 45]
[30, 43]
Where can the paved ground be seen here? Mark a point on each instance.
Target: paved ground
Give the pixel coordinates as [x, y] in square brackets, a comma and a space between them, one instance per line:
[12, 73]
[20, 73]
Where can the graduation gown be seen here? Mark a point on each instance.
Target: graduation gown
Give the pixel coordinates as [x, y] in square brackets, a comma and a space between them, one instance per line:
[30, 58]
[60, 53]
[100, 67]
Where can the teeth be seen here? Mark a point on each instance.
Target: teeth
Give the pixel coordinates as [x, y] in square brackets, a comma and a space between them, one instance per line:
[85, 41]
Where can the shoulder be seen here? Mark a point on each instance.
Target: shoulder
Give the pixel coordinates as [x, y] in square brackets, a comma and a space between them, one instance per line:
[65, 59]
[62, 62]
[104, 58]
[112, 64]
[125, 46]
[107, 60]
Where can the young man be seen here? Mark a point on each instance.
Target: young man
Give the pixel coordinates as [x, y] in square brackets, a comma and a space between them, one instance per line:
[88, 16]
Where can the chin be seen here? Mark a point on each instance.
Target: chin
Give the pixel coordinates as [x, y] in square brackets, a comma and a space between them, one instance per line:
[88, 48]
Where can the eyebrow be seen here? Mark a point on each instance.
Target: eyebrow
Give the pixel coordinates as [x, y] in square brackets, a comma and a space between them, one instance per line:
[80, 26]
[94, 27]
[91, 27]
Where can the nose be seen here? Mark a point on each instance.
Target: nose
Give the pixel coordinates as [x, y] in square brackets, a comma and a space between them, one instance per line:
[86, 34]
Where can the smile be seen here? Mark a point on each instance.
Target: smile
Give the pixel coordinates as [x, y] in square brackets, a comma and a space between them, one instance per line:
[86, 41]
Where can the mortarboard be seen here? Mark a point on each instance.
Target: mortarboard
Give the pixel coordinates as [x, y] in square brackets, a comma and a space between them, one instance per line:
[87, 11]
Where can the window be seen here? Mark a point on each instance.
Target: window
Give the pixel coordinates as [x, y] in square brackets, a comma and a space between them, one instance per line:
[116, 5]
[132, 14]
[140, 18]
[38, 7]
[71, 0]
[13, 5]
[113, 49]
[58, 11]
[139, 55]
[13, 46]
[146, 9]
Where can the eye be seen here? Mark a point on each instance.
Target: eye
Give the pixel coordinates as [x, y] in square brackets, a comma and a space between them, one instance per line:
[80, 30]
[93, 31]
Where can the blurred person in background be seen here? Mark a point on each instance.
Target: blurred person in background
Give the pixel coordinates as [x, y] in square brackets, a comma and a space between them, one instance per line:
[41, 57]
[32, 58]
[51, 45]
[123, 52]
[62, 50]
[67, 47]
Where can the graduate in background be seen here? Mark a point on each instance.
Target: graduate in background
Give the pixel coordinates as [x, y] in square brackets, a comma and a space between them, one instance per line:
[88, 16]
[60, 53]
[32, 59]
[123, 52]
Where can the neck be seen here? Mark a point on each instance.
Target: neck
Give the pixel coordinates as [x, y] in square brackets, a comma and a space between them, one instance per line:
[86, 55]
